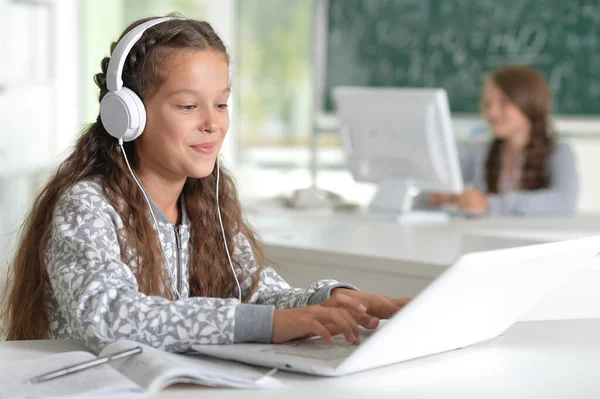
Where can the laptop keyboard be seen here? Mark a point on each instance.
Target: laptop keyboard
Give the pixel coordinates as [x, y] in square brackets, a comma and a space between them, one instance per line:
[316, 348]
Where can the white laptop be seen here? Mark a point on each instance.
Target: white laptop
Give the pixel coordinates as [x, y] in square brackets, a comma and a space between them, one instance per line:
[474, 300]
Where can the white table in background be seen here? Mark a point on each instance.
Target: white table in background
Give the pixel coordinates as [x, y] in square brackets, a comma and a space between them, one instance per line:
[385, 257]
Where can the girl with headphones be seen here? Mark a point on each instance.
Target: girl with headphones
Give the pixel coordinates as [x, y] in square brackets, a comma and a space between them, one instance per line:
[139, 233]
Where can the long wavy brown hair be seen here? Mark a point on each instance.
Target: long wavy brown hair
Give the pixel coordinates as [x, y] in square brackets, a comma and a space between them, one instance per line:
[96, 156]
[528, 90]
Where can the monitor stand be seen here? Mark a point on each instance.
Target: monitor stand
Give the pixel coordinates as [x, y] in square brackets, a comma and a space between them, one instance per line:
[396, 196]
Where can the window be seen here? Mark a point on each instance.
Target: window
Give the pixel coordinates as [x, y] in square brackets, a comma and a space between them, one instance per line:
[273, 72]
[136, 9]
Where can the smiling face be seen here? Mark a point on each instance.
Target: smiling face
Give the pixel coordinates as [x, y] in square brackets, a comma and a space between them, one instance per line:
[187, 117]
[505, 118]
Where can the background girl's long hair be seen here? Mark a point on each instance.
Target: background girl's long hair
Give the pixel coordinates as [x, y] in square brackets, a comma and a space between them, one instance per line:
[528, 90]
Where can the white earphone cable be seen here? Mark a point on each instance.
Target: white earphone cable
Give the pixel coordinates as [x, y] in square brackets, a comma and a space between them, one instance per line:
[173, 282]
[225, 239]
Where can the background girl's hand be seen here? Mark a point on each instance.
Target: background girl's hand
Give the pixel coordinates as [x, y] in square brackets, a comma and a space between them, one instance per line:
[474, 201]
[442, 198]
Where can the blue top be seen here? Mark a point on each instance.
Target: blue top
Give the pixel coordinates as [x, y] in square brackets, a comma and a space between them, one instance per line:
[559, 199]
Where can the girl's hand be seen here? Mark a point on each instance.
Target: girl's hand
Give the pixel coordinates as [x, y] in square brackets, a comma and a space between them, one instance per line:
[378, 306]
[338, 314]
[342, 313]
[442, 198]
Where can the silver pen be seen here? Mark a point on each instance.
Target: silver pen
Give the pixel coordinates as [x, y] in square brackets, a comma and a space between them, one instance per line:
[83, 366]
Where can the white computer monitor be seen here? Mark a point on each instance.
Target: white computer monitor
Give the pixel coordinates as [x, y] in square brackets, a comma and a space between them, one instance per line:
[400, 138]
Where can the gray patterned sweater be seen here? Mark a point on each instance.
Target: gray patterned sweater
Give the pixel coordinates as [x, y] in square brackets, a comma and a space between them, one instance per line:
[558, 199]
[94, 296]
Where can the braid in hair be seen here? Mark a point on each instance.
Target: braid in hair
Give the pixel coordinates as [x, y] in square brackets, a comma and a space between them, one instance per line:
[493, 166]
[537, 153]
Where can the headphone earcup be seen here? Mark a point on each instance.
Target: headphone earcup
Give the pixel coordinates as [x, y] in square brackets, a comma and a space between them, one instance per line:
[123, 114]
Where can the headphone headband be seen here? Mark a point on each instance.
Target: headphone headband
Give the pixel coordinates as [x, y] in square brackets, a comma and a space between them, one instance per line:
[114, 80]
[122, 111]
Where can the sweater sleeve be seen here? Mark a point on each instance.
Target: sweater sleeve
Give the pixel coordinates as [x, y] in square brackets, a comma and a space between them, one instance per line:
[99, 298]
[559, 199]
[274, 290]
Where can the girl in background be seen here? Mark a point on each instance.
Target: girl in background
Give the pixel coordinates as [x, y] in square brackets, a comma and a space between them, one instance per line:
[523, 170]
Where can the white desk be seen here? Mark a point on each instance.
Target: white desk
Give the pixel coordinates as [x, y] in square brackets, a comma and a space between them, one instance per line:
[541, 359]
[384, 257]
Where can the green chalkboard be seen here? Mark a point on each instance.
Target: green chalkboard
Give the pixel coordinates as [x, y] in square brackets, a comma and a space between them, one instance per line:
[454, 43]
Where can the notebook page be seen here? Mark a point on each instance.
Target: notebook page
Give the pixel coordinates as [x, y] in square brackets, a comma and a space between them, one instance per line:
[154, 369]
[96, 381]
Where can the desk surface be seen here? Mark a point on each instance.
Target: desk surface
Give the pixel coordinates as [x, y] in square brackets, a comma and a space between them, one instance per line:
[354, 239]
[535, 359]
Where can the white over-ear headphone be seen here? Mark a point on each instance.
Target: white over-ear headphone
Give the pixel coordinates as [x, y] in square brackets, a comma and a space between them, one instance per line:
[121, 110]
[123, 115]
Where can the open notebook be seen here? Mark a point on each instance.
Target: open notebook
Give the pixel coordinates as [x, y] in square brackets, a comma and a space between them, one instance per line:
[147, 372]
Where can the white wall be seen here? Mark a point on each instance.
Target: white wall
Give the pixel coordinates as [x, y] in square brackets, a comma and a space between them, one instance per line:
[38, 119]
[222, 16]
[587, 151]
[67, 90]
